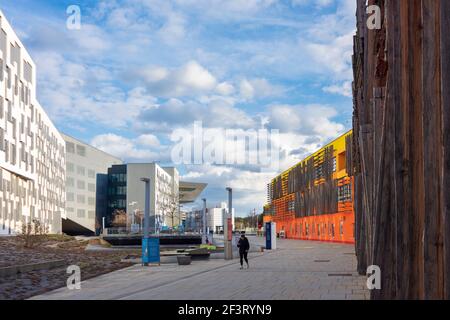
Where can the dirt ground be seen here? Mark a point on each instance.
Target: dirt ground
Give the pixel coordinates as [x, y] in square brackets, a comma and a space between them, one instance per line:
[26, 285]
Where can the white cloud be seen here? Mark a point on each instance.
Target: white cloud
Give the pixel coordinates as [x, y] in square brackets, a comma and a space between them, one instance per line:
[307, 120]
[175, 113]
[259, 88]
[174, 29]
[225, 89]
[188, 80]
[344, 89]
[142, 148]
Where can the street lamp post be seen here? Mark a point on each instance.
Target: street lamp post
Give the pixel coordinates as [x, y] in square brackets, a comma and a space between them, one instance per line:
[150, 247]
[228, 227]
[204, 222]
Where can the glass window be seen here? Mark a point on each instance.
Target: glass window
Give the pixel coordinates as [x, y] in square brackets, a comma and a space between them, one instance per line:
[81, 150]
[91, 201]
[81, 213]
[81, 185]
[91, 173]
[70, 196]
[81, 170]
[70, 167]
[91, 187]
[91, 214]
[70, 147]
[81, 198]
[70, 182]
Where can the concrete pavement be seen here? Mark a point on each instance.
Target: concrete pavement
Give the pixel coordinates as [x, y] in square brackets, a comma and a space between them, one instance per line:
[297, 270]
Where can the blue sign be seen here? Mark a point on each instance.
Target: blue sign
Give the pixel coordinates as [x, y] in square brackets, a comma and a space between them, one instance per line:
[268, 236]
[150, 251]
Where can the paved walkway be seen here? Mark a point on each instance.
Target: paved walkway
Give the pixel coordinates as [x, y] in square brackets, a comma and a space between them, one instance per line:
[296, 270]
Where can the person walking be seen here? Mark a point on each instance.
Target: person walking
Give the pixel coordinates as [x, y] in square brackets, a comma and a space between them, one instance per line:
[243, 246]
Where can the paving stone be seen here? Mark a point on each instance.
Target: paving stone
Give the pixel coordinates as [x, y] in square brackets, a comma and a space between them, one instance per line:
[287, 273]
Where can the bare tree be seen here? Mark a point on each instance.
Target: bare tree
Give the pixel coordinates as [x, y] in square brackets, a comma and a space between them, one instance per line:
[119, 218]
[171, 208]
[33, 233]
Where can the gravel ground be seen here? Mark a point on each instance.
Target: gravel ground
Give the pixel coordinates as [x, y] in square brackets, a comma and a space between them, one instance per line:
[23, 286]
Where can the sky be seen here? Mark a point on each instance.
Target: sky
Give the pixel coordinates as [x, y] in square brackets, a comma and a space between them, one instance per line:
[139, 70]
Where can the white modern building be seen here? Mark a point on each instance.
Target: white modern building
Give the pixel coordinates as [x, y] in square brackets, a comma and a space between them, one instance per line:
[124, 193]
[32, 152]
[214, 217]
[83, 163]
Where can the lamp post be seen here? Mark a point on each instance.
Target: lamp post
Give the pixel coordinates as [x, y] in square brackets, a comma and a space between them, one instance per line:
[133, 217]
[228, 227]
[204, 221]
[150, 247]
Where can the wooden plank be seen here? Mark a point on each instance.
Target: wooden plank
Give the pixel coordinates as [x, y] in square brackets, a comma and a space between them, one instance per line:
[416, 200]
[433, 240]
[384, 239]
[445, 91]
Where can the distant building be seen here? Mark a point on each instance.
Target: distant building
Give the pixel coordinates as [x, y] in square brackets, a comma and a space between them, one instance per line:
[83, 163]
[313, 200]
[32, 155]
[214, 218]
[123, 193]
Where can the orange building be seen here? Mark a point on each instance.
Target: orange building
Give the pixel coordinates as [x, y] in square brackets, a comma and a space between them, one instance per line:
[313, 200]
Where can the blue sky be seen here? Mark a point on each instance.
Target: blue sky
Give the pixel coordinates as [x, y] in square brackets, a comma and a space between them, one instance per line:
[139, 69]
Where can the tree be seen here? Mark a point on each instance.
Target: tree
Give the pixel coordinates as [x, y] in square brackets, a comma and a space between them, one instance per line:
[171, 208]
[33, 233]
[119, 218]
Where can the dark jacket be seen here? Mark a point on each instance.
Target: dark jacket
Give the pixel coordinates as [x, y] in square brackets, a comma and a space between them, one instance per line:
[243, 245]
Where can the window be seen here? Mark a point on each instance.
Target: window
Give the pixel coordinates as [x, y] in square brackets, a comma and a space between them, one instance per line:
[70, 196]
[91, 214]
[91, 187]
[345, 193]
[291, 205]
[81, 185]
[91, 201]
[70, 167]
[342, 161]
[81, 170]
[8, 73]
[81, 198]
[70, 147]
[81, 150]
[2, 139]
[121, 190]
[70, 182]
[81, 213]
[91, 174]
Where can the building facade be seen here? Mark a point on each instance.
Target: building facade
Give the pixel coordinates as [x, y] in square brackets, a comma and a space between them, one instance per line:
[83, 163]
[214, 217]
[314, 199]
[125, 195]
[32, 152]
